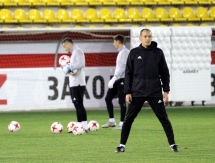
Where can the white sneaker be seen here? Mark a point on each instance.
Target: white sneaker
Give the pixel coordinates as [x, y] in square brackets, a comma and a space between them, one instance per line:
[109, 124]
[118, 127]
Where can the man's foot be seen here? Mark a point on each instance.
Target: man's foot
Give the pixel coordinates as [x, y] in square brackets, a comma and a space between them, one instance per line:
[118, 127]
[174, 148]
[120, 149]
[109, 124]
[85, 131]
[70, 132]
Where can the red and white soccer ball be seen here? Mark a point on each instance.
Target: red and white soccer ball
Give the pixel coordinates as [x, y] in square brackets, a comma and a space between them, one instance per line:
[64, 60]
[70, 126]
[93, 126]
[78, 129]
[14, 126]
[56, 127]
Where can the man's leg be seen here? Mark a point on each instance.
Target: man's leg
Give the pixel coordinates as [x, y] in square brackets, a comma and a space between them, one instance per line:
[122, 103]
[158, 107]
[108, 99]
[133, 110]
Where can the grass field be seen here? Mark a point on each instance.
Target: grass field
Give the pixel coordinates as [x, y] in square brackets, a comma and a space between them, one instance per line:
[194, 133]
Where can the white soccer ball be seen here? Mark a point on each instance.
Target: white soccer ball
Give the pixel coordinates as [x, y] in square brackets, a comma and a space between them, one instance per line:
[70, 126]
[64, 60]
[93, 126]
[56, 127]
[78, 129]
[14, 126]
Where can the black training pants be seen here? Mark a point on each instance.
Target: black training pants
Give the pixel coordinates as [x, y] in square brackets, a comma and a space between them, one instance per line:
[157, 106]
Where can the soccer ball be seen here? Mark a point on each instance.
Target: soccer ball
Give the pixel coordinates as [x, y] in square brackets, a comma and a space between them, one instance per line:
[14, 126]
[78, 129]
[70, 126]
[64, 68]
[56, 127]
[64, 60]
[93, 125]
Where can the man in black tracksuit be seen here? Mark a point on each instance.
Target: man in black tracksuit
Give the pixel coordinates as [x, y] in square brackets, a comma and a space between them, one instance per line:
[146, 74]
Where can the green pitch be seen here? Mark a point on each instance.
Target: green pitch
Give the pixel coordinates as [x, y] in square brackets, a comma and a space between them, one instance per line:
[194, 133]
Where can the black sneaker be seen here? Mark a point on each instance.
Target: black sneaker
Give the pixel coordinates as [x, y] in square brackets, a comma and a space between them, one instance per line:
[120, 149]
[86, 131]
[174, 148]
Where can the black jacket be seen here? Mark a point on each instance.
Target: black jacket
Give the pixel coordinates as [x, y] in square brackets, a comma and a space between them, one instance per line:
[146, 70]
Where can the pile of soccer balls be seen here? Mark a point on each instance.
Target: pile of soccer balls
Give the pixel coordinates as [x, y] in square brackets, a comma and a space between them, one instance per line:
[57, 127]
[64, 61]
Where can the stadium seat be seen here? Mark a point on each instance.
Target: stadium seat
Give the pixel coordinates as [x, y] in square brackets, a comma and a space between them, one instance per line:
[189, 14]
[175, 13]
[79, 3]
[93, 2]
[134, 15]
[121, 2]
[78, 16]
[7, 3]
[135, 2]
[1, 21]
[92, 16]
[65, 2]
[50, 3]
[120, 15]
[7, 16]
[107, 16]
[21, 16]
[106, 26]
[149, 2]
[202, 13]
[22, 2]
[107, 2]
[63, 16]
[176, 2]
[36, 2]
[35, 16]
[203, 2]
[162, 2]
[162, 14]
[212, 12]
[190, 2]
[190, 25]
[203, 24]
[49, 16]
[148, 14]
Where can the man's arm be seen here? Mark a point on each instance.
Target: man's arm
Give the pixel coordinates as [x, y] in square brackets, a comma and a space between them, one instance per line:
[128, 74]
[80, 60]
[121, 63]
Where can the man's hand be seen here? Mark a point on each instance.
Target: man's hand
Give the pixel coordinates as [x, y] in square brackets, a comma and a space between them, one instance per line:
[165, 97]
[66, 69]
[128, 98]
[112, 81]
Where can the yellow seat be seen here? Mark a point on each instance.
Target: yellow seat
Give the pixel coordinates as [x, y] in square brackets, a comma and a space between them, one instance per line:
[107, 2]
[63, 16]
[64, 2]
[148, 14]
[212, 12]
[49, 16]
[93, 2]
[190, 25]
[134, 15]
[7, 3]
[7, 16]
[202, 13]
[149, 2]
[106, 15]
[79, 2]
[21, 16]
[35, 16]
[22, 2]
[176, 2]
[36, 2]
[120, 15]
[189, 14]
[106, 26]
[162, 2]
[162, 14]
[135, 2]
[203, 24]
[175, 13]
[50, 3]
[92, 16]
[121, 2]
[203, 2]
[78, 16]
[190, 2]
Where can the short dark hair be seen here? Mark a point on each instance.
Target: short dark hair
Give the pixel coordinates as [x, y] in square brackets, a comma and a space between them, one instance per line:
[119, 38]
[67, 39]
[144, 29]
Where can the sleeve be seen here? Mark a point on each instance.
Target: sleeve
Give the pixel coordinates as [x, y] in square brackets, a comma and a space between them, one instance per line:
[121, 63]
[128, 74]
[164, 73]
[80, 60]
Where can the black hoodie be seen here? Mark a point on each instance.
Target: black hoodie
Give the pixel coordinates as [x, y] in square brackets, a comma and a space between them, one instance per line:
[146, 70]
